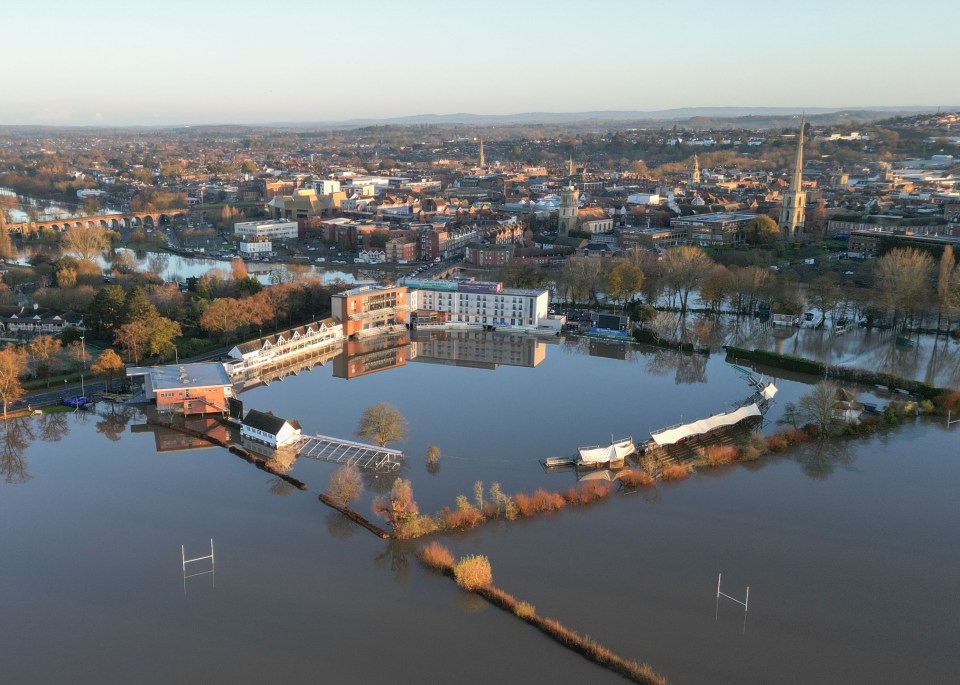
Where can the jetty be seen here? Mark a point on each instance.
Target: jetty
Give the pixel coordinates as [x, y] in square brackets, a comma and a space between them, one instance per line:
[348, 452]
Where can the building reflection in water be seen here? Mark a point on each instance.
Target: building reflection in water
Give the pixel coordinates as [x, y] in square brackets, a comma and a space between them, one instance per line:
[478, 349]
[364, 356]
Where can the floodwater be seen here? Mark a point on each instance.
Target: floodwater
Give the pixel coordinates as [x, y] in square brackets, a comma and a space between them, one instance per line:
[849, 551]
[929, 358]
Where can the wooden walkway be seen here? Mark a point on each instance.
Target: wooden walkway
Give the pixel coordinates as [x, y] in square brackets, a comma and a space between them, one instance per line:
[362, 455]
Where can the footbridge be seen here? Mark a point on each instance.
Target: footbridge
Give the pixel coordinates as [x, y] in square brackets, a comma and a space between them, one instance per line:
[361, 455]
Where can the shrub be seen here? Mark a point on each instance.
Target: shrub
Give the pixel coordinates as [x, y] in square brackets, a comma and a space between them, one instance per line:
[949, 400]
[433, 455]
[436, 556]
[539, 502]
[676, 471]
[525, 610]
[795, 435]
[588, 492]
[719, 455]
[927, 407]
[415, 527]
[633, 478]
[473, 572]
[777, 442]
[462, 518]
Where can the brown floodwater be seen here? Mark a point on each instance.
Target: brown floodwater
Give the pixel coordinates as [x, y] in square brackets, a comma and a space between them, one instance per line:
[850, 551]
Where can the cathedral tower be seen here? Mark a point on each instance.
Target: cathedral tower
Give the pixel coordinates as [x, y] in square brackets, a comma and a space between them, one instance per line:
[792, 213]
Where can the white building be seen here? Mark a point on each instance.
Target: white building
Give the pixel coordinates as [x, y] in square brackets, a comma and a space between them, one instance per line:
[269, 429]
[266, 230]
[479, 303]
[643, 199]
[256, 248]
[326, 187]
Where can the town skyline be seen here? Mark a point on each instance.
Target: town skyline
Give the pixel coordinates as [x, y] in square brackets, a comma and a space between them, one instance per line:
[210, 65]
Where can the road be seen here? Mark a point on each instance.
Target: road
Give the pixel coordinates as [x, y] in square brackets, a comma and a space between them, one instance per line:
[55, 394]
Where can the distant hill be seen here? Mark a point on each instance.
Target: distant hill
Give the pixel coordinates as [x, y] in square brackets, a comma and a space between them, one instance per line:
[677, 115]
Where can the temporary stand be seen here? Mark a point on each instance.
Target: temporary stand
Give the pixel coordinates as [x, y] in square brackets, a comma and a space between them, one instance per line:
[185, 561]
[744, 603]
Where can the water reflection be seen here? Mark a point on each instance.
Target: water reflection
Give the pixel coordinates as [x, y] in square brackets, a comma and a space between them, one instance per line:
[339, 526]
[280, 488]
[820, 459]
[15, 436]
[396, 556]
[114, 422]
[54, 427]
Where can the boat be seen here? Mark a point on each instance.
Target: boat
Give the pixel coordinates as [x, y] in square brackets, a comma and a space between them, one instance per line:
[612, 455]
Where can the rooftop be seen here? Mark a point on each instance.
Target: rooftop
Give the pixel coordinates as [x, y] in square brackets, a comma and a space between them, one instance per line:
[176, 376]
[718, 217]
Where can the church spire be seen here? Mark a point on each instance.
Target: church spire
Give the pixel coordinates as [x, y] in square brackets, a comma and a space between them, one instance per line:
[570, 167]
[482, 160]
[695, 176]
[793, 209]
[796, 183]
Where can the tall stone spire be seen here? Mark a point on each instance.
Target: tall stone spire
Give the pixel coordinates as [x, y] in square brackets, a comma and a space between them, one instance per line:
[796, 183]
[570, 167]
[695, 176]
[793, 210]
[483, 163]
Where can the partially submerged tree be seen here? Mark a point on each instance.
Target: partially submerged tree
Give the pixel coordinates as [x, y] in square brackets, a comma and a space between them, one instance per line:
[13, 363]
[382, 423]
[819, 407]
[345, 485]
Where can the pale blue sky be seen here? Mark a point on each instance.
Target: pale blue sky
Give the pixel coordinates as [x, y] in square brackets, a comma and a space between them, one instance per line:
[241, 61]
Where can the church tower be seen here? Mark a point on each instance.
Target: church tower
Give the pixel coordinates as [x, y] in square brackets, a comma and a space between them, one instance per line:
[794, 199]
[695, 176]
[483, 163]
[569, 207]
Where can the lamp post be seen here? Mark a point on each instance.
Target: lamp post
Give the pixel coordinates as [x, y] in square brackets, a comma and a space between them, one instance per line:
[83, 364]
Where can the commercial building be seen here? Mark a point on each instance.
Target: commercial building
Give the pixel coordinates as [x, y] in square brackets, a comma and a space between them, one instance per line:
[188, 389]
[477, 302]
[266, 230]
[370, 309]
[255, 249]
[719, 229]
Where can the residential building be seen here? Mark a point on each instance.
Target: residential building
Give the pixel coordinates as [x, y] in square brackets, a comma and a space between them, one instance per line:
[401, 251]
[201, 388]
[271, 430]
[267, 230]
[16, 320]
[489, 255]
[369, 309]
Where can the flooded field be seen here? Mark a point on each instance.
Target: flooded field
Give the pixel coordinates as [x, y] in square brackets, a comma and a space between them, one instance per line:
[849, 549]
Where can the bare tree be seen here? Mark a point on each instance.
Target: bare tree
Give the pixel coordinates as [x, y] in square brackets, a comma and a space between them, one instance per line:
[902, 281]
[13, 363]
[685, 269]
[819, 407]
[345, 485]
[86, 243]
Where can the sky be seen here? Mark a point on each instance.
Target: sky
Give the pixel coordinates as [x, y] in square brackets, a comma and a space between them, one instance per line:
[175, 62]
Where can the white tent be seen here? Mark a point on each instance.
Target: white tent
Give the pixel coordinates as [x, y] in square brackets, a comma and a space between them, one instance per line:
[603, 455]
[669, 436]
[769, 390]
